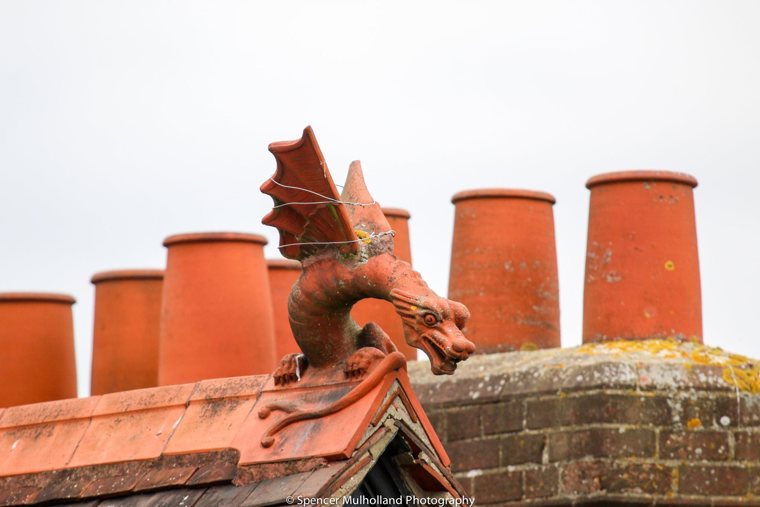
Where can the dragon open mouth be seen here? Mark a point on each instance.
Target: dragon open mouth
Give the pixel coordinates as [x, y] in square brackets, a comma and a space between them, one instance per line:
[440, 361]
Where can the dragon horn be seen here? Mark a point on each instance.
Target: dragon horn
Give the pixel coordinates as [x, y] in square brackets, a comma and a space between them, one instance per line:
[368, 218]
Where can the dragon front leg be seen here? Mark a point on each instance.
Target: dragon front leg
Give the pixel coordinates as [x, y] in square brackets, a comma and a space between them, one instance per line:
[290, 369]
[374, 345]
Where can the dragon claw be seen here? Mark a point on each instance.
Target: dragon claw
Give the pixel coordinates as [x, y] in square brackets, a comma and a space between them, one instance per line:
[362, 361]
[290, 369]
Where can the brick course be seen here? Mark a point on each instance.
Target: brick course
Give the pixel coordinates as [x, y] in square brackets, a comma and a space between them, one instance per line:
[595, 430]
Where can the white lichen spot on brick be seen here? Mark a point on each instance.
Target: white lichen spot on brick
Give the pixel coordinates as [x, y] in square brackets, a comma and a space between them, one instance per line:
[725, 420]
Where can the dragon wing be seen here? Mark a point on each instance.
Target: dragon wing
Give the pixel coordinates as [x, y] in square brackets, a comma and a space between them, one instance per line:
[307, 208]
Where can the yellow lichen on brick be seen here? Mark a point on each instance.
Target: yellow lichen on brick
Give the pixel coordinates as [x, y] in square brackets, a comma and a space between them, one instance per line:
[694, 423]
[738, 371]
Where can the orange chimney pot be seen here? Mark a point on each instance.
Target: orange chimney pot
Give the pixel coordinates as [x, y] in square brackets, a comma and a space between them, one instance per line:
[126, 330]
[283, 273]
[504, 268]
[216, 317]
[37, 339]
[642, 266]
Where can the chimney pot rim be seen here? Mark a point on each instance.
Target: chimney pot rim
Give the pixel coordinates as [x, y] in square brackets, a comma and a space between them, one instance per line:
[514, 193]
[36, 297]
[127, 274]
[396, 212]
[283, 264]
[201, 237]
[641, 175]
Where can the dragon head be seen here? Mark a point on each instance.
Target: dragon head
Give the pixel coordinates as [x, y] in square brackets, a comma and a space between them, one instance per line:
[434, 325]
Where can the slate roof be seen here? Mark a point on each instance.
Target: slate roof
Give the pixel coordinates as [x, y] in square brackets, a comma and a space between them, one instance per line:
[200, 445]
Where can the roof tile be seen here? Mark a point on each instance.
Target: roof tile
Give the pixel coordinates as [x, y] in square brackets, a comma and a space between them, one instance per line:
[221, 470]
[48, 412]
[175, 498]
[143, 399]
[333, 435]
[317, 480]
[195, 435]
[165, 477]
[19, 490]
[112, 479]
[238, 387]
[275, 491]
[231, 496]
[39, 447]
[127, 436]
[209, 425]
[64, 484]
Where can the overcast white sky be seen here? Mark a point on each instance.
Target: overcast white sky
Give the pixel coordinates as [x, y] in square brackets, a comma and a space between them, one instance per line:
[124, 122]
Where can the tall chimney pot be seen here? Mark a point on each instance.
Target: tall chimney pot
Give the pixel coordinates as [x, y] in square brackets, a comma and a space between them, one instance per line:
[126, 329]
[642, 266]
[37, 341]
[216, 316]
[283, 273]
[504, 268]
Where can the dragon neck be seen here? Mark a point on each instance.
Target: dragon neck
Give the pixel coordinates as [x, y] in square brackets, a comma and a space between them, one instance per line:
[321, 300]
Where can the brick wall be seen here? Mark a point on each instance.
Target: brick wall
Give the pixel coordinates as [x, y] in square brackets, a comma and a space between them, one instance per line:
[598, 426]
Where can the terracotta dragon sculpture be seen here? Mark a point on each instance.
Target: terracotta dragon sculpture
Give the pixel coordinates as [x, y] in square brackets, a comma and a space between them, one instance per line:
[345, 245]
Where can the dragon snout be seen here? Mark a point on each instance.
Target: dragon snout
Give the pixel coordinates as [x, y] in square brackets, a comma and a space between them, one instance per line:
[462, 347]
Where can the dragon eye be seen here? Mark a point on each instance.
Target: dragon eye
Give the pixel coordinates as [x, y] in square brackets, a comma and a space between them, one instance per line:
[430, 319]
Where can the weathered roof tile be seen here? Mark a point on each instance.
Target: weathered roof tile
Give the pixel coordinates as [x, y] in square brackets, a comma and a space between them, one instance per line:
[165, 477]
[312, 438]
[275, 491]
[174, 498]
[127, 436]
[38, 447]
[112, 479]
[144, 399]
[225, 495]
[205, 435]
[209, 424]
[238, 387]
[48, 412]
[317, 480]
[221, 469]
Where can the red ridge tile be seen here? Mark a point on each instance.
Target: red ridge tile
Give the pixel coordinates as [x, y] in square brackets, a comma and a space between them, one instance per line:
[48, 412]
[332, 436]
[138, 435]
[39, 447]
[237, 387]
[143, 399]
[209, 425]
